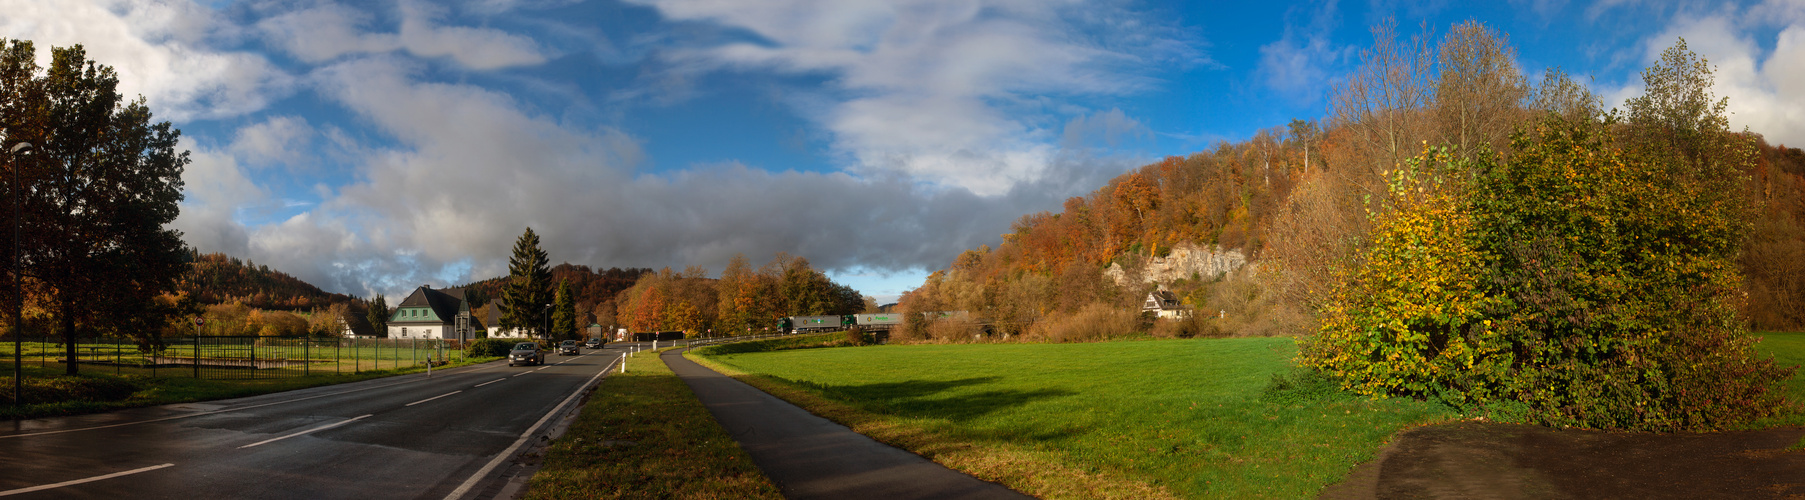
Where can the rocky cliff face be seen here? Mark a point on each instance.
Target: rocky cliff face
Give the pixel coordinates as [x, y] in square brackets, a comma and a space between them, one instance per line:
[1184, 262]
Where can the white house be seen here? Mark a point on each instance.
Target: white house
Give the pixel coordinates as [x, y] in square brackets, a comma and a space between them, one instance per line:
[495, 331]
[433, 314]
[1165, 305]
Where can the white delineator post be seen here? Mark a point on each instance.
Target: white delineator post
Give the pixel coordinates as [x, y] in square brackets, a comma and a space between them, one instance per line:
[623, 362]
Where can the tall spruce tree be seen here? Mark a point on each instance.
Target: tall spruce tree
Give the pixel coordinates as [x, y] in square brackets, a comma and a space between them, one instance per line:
[564, 312]
[378, 314]
[529, 287]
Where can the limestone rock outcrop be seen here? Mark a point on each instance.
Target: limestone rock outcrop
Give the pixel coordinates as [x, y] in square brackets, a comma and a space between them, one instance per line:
[1185, 261]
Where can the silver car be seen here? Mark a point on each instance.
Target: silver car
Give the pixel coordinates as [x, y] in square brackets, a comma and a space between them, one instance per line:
[526, 353]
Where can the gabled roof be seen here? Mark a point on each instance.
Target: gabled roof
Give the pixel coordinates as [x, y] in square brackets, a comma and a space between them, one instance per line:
[1160, 300]
[444, 303]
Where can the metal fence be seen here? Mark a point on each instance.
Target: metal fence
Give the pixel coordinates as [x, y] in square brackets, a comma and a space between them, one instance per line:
[236, 357]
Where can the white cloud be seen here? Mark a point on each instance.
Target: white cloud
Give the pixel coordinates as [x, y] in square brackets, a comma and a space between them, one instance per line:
[934, 90]
[1764, 79]
[329, 31]
[470, 169]
[279, 139]
[1300, 63]
[216, 188]
[159, 50]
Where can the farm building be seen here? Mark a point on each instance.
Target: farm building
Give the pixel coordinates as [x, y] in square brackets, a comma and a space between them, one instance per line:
[433, 314]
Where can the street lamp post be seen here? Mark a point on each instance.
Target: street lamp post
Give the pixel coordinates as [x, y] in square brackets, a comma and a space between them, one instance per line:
[18, 281]
[548, 323]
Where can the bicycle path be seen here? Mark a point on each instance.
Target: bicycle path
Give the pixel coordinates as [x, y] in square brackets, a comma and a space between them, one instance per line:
[812, 457]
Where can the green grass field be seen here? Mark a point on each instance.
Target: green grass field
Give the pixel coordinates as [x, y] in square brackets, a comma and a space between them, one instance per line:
[1183, 418]
[642, 434]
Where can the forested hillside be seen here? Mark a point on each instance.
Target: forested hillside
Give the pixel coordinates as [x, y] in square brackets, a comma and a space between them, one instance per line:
[1296, 200]
[215, 278]
[591, 287]
[743, 300]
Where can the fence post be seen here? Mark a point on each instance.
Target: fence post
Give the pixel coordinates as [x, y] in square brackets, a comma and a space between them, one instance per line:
[306, 357]
[197, 357]
[253, 358]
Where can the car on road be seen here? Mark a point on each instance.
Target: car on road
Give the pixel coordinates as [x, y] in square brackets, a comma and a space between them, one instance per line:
[593, 344]
[526, 353]
[569, 347]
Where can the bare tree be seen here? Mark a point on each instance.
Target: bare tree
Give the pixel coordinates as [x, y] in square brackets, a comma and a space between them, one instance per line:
[1479, 93]
[1383, 102]
[1560, 95]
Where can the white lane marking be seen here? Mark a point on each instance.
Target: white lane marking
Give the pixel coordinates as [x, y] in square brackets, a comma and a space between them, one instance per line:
[308, 431]
[543, 367]
[432, 398]
[79, 481]
[521, 373]
[487, 383]
[524, 437]
[214, 411]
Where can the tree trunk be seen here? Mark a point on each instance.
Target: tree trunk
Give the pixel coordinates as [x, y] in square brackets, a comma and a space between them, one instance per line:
[68, 319]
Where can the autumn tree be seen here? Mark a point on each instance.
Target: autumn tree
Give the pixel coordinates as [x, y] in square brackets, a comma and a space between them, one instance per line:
[104, 181]
[738, 301]
[1478, 91]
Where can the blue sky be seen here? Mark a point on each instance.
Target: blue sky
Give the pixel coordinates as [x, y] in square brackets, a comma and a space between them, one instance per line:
[369, 147]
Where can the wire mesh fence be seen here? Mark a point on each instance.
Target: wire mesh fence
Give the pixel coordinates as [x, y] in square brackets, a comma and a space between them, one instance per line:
[234, 357]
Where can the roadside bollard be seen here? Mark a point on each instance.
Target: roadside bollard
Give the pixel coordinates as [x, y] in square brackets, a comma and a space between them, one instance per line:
[623, 363]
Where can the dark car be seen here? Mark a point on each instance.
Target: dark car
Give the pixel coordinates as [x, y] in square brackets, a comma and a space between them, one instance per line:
[593, 344]
[569, 347]
[526, 353]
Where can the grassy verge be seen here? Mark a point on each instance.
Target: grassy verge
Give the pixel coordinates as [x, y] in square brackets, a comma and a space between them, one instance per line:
[1183, 418]
[643, 434]
[148, 391]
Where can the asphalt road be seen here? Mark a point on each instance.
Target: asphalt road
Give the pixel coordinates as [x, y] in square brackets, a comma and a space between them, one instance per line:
[397, 437]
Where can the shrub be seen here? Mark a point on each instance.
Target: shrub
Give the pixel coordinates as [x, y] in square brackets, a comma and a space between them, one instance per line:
[1195, 325]
[855, 336]
[488, 348]
[1092, 323]
[953, 330]
[58, 389]
[1578, 283]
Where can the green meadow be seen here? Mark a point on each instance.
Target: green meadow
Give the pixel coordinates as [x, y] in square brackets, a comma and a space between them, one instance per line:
[1179, 418]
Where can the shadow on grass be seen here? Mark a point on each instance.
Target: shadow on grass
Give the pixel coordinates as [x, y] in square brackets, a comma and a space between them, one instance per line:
[926, 398]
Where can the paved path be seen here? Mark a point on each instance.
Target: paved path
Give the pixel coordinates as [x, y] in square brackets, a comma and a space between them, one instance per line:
[811, 457]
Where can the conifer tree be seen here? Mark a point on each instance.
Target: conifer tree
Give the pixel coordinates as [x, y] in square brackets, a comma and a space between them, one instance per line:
[564, 312]
[378, 314]
[529, 287]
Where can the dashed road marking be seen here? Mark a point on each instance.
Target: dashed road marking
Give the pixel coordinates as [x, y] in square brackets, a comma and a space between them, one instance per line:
[315, 429]
[487, 383]
[432, 398]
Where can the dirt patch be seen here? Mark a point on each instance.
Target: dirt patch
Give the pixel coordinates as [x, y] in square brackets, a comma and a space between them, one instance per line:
[1491, 460]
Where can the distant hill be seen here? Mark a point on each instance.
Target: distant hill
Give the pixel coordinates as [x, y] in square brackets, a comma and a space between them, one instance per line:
[590, 286]
[215, 278]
